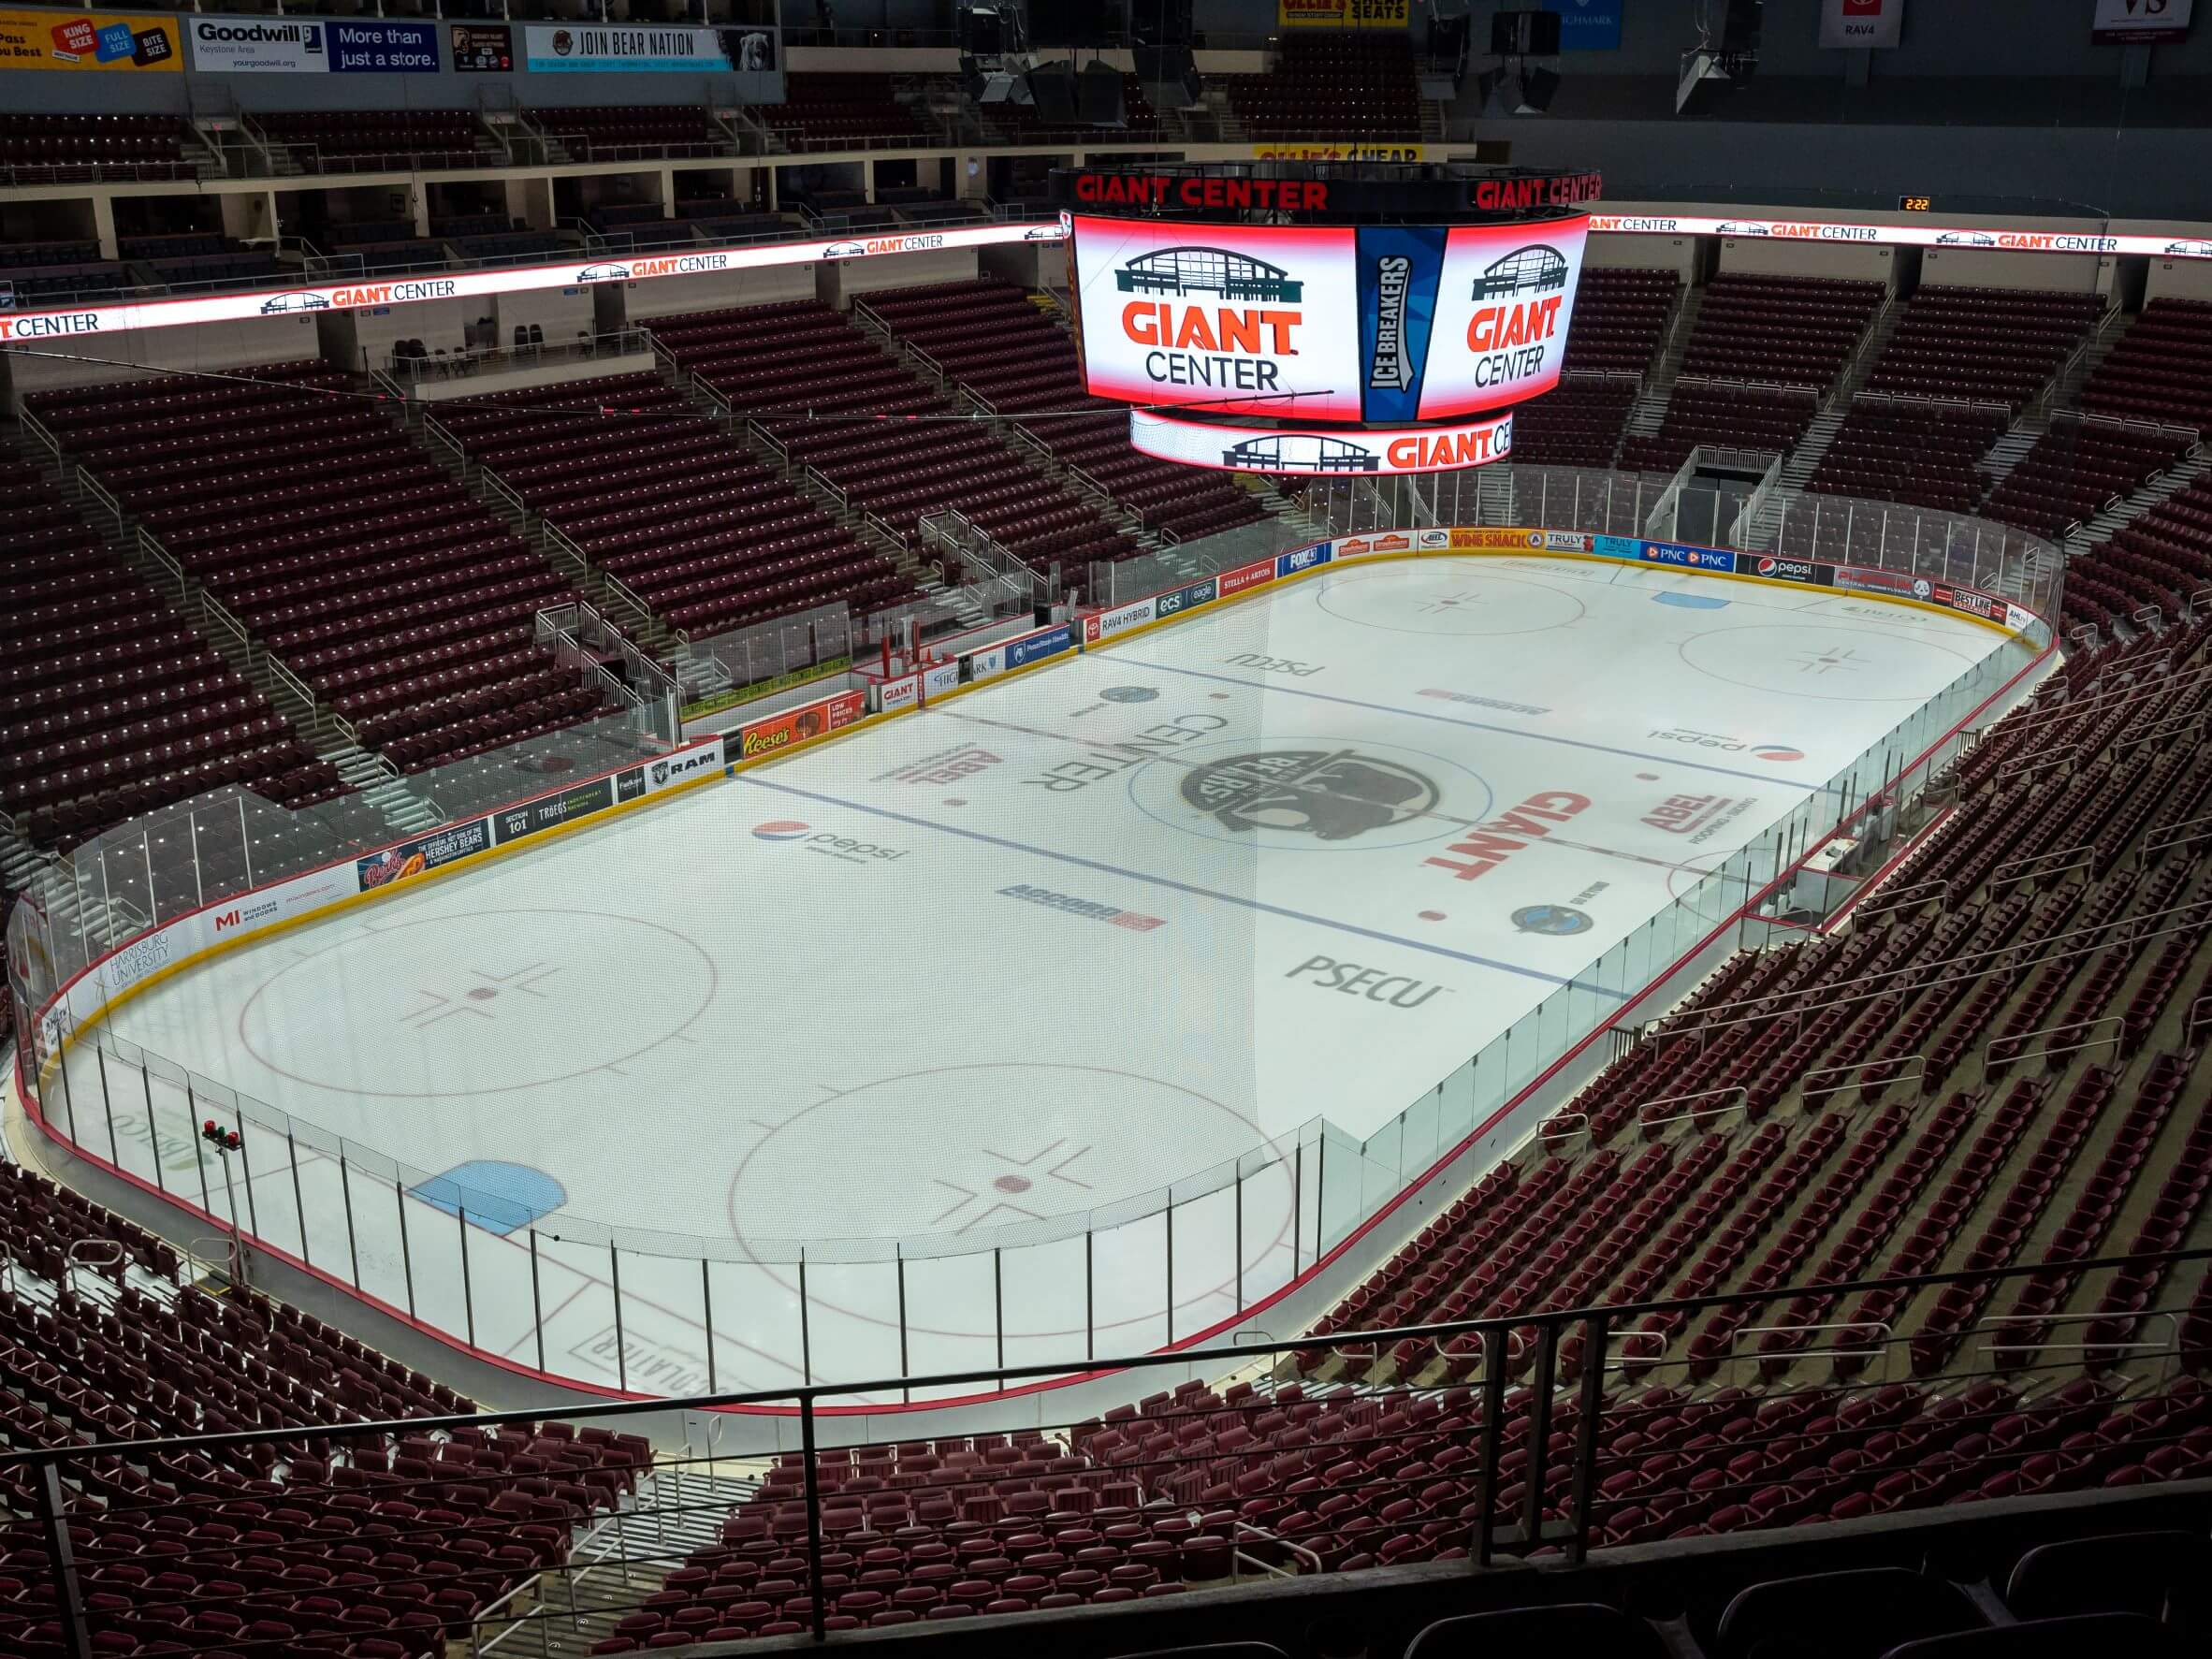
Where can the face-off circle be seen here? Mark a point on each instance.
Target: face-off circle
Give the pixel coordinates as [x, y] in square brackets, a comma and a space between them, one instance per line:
[1826, 661]
[1310, 793]
[1450, 596]
[476, 1002]
[970, 1149]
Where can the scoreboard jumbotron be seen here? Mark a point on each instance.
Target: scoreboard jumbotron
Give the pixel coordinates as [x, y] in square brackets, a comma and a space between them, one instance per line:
[1246, 310]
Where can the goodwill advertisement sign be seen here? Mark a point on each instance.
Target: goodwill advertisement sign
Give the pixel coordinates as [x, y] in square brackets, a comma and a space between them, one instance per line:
[311, 46]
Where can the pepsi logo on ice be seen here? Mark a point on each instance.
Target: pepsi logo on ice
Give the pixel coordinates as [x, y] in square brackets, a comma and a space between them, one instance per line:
[843, 848]
[1775, 754]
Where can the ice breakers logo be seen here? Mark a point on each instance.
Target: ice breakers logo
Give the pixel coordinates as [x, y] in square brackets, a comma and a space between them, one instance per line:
[1330, 794]
[1391, 367]
[1779, 754]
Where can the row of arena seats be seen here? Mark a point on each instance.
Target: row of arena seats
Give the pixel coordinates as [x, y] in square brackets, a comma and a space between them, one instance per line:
[386, 140]
[1901, 448]
[1719, 415]
[379, 1546]
[1330, 85]
[2157, 370]
[996, 344]
[1781, 330]
[353, 558]
[2163, 558]
[130, 146]
[826, 110]
[820, 387]
[110, 703]
[1620, 323]
[1983, 345]
[2076, 469]
[710, 538]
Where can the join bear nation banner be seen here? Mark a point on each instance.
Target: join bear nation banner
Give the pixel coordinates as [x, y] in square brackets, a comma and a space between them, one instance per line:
[59, 41]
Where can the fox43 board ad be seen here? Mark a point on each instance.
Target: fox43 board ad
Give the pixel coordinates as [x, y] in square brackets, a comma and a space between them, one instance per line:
[1377, 325]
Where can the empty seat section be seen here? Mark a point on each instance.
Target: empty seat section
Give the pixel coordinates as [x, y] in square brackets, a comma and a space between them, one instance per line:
[1983, 345]
[111, 705]
[358, 562]
[1001, 348]
[707, 536]
[818, 386]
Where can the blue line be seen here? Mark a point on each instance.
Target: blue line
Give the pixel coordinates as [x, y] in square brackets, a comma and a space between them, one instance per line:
[1195, 891]
[1423, 714]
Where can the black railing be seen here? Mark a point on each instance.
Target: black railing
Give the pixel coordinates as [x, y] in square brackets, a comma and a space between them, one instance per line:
[1512, 1462]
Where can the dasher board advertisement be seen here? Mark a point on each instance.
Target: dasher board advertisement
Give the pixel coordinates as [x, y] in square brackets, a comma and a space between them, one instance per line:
[1234, 319]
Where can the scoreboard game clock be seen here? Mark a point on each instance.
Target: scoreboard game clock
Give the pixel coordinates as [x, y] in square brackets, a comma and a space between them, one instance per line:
[1280, 302]
[1913, 204]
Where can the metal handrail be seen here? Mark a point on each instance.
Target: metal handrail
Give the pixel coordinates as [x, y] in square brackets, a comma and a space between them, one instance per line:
[1991, 1058]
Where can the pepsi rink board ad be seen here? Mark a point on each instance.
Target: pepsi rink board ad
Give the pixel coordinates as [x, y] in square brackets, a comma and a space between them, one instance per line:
[1326, 323]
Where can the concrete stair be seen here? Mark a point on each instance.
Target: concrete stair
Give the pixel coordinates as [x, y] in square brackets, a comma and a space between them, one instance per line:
[677, 1511]
[1645, 419]
[380, 784]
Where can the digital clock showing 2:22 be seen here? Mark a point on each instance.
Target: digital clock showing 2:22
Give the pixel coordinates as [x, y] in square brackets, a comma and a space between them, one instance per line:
[1912, 204]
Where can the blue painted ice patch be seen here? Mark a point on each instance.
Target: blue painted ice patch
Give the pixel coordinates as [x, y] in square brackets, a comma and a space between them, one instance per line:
[498, 1196]
[1693, 602]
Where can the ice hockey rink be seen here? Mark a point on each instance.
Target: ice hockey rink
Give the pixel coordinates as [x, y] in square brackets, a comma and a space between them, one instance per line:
[1025, 958]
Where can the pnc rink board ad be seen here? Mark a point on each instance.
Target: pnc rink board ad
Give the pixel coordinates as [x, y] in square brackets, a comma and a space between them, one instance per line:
[1324, 323]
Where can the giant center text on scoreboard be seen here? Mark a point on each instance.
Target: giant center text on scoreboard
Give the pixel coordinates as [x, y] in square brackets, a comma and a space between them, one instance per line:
[1225, 294]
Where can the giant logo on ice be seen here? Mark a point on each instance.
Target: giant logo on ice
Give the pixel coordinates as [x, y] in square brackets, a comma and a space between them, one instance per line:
[1332, 795]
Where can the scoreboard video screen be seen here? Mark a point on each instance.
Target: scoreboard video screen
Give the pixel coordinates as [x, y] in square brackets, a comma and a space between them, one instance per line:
[1325, 323]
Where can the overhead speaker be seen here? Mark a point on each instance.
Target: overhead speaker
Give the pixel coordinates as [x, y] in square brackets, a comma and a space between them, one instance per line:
[1052, 89]
[1099, 95]
[1524, 35]
[997, 89]
[1539, 87]
[1169, 76]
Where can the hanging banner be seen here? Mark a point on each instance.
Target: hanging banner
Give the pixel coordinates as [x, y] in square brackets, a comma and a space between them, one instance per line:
[483, 48]
[1588, 25]
[1342, 14]
[2140, 22]
[1875, 24]
[570, 48]
[60, 40]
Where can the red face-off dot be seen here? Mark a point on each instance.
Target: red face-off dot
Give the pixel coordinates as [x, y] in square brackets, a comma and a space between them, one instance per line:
[484, 993]
[1012, 1184]
[1432, 915]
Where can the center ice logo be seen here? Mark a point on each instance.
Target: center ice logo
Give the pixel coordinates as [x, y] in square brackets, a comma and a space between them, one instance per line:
[1331, 794]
